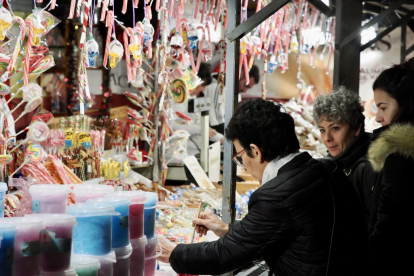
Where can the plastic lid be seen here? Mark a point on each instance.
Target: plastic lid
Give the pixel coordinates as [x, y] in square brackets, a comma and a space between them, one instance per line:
[69, 272]
[47, 189]
[7, 227]
[92, 188]
[123, 252]
[3, 187]
[54, 219]
[90, 209]
[115, 200]
[85, 261]
[21, 222]
[102, 259]
[134, 196]
[139, 243]
[151, 199]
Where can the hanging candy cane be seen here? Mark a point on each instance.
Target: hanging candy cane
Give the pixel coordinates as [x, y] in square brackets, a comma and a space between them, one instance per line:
[298, 14]
[19, 43]
[212, 6]
[136, 3]
[109, 24]
[52, 5]
[172, 7]
[218, 14]
[128, 32]
[72, 9]
[244, 45]
[259, 6]
[203, 11]
[104, 9]
[86, 6]
[124, 7]
[28, 51]
[78, 7]
[332, 47]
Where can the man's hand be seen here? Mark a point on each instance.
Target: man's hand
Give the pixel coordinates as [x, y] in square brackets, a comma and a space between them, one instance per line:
[167, 247]
[208, 221]
[211, 132]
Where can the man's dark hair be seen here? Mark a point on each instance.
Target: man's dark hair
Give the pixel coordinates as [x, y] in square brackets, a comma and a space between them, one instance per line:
[264, 124]
[255, 74]
[398, 82]
[204, 73]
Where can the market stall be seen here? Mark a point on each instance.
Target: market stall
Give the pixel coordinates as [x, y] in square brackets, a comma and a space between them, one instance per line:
[82, 162]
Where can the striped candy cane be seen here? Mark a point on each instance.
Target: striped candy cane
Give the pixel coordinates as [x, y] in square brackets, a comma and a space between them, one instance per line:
[109, 25]
[18, 43]
[124, 7]
[218, 13]
[28, 50]
[78, 7]
[52, 4]
[128, 32]
[72, 9]
[86, 5]
[135, 3]
[104, 9]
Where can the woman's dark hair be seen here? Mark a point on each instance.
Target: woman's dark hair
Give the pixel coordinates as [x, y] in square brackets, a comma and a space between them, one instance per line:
[398, 82]
[204, 73]
[264, 124]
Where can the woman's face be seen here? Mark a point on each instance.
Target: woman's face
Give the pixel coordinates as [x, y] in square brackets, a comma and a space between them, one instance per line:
[387, 107]
[336, 136]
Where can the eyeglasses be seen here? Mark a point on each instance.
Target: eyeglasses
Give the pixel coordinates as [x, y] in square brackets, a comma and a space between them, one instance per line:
[237, 158]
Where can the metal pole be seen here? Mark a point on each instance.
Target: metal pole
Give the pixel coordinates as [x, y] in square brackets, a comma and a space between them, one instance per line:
[347, 58]
[403, 41]
[158, 150]
[231, 99]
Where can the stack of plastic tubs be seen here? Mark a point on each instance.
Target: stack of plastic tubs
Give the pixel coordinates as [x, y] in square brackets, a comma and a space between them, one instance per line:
[149, 231]
[49, 198]
[93, 233]
[84, 192]
[56, 242]
[120, 232]
[3, 189]
[7, 236]
[85, 265]
[27, 247]
[136, 230]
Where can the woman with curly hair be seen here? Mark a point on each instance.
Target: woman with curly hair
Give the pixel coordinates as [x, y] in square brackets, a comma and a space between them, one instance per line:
[340, 119]
[392, 157]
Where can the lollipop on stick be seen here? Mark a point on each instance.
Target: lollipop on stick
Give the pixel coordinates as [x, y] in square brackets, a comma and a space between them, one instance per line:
[35, 153]
[33, 90]
[30, 106]
[4, 89]
[38, 132]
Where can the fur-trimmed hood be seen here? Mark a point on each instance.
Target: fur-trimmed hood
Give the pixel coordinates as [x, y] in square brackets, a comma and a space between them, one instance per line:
[398, 138]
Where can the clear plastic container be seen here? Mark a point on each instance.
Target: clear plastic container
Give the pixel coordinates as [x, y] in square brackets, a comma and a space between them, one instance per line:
[136, 212]
[123, 254]
[120, 224]
[49, 198]
[3, 190]
[137, 259]
[67, 272]
[92, 234]
[26, 245]
[85, 265]
[151, 256]
[56, 241]
[107, 263]
[149, 214]
[7, 237]
[85, 192]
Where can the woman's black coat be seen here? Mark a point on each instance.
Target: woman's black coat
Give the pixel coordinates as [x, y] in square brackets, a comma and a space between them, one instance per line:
[290, 224]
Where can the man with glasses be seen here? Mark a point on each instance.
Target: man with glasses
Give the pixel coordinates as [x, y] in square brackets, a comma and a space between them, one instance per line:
[298, 221]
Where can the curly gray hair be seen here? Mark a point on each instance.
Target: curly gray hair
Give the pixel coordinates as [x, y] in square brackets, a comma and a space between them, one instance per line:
[342, 105]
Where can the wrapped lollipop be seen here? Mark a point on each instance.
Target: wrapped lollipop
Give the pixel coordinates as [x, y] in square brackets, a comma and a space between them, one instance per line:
[5, 21]
[44, 22]
[148, 37]
[30, 91]
[179, 91]
[176, 45]
[38, 132]
[116, 51]
[33, 90]
[34, 154]
[139, 79]
[272, 64]
[192, 36]
[30, 106]
[4, 89]
[92, 49]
